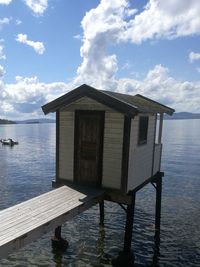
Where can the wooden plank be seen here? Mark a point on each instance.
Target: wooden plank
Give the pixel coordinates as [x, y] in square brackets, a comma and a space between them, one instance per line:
[25, 222]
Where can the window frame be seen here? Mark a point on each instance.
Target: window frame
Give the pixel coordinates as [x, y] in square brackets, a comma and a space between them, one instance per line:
[143, 127]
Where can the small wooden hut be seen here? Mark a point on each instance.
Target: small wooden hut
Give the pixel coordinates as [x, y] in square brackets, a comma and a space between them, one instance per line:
[112, 141]
[107, 139]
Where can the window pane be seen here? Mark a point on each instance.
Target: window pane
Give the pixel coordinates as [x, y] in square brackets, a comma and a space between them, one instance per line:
[143, 130]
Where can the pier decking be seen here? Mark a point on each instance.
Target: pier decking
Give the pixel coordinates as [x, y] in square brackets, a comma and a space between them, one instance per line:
[27, 221]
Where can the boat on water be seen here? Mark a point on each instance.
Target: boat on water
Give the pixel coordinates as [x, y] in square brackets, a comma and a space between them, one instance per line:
[8, 142]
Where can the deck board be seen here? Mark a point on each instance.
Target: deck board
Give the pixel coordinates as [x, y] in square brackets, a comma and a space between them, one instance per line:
[27, 221]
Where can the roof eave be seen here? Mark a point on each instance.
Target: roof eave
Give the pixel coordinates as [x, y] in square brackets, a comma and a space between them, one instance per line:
[166, 109]
[98, 95]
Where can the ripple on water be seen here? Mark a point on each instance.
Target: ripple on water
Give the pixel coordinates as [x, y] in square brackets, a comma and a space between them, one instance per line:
[27, 170]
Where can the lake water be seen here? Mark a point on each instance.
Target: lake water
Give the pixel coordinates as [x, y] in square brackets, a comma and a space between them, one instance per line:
[26, 171]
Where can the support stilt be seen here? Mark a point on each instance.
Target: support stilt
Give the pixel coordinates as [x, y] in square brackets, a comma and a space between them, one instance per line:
[57, 241]
[101, 209]
[126, 257]
[129, 225]
[158, 210]
[58, 232]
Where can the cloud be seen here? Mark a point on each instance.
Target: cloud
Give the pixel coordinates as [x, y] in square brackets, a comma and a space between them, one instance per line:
[37, 46]
[24, 98]
[160, 86]
[109, 24]
[2, 72]
[194, 56]
[102, 27]
[164, 19]
[2, 55]
[5, 2]
[4, 21]
[114, 22]
[18, 22]
[37, 6]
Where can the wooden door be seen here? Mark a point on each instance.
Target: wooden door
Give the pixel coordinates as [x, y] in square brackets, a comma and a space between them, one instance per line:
[89, 128]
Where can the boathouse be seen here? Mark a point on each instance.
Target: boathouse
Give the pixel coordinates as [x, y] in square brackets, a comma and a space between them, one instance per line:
[107, 139]
[108, 146]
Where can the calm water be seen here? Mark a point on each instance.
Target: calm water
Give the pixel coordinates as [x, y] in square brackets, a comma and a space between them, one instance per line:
[26, 171]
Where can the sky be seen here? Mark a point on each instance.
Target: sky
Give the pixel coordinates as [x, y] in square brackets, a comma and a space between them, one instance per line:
[49, 47]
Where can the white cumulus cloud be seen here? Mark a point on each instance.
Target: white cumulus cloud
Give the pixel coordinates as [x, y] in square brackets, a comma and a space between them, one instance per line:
[113, 22]
[25, 97]
[37, 6]
[5, 2]
[4, 21]
[2, 55]
[37, 46]
[164, 19]
[160, 86]
[101, 27]
[194, 56]
[2, 72]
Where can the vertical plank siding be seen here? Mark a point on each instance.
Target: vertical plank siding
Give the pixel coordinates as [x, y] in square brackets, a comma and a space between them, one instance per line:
[113, 142]
[66, 145]
[157, 157]
[140, 157]
[112, 155]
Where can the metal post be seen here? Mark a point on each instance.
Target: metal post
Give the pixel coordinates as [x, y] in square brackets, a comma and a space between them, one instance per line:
[129, 225]
[101, 209]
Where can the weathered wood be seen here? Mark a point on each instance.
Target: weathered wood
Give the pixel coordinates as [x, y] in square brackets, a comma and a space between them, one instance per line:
[129, 225]
[88, 148]
[58, 232]
[25, 222]
[158, 209]
[101, 210]
[118, 197]
[160, 129]
[125, 153]
[57, 142]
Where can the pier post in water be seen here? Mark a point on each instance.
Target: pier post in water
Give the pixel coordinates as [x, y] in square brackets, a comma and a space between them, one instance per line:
[158, 209]
[129, 225]
[57, 241]
[101, 210]
[126, 257]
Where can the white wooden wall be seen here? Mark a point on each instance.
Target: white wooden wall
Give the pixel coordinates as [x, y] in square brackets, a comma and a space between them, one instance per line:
[140, 156]
[86, 103]
[113, 141]
[66, 146]
[112, 154]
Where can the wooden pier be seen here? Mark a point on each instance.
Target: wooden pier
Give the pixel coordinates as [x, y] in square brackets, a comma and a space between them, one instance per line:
[25, 222]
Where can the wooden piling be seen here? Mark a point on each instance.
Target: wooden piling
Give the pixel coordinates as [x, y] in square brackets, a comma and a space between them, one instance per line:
[129, 224]
[158, 209]
[58, 232]
[57, 241]
[101, 210]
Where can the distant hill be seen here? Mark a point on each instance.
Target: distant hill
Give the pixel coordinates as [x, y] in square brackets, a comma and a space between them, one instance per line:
[32, 121]
[182, 116]
[2, 121]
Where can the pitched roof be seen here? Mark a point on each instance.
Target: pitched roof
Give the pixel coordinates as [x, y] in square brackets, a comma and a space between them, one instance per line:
[127, 104]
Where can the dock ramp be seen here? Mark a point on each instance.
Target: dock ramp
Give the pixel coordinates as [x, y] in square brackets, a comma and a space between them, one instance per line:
[28, 221]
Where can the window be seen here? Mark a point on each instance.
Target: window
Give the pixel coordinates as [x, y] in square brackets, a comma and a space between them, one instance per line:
[143, 130]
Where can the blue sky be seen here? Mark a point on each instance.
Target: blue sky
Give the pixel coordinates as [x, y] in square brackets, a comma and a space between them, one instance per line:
[48, 47]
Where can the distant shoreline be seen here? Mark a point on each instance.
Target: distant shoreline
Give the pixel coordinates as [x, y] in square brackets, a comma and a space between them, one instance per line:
[175, 116]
